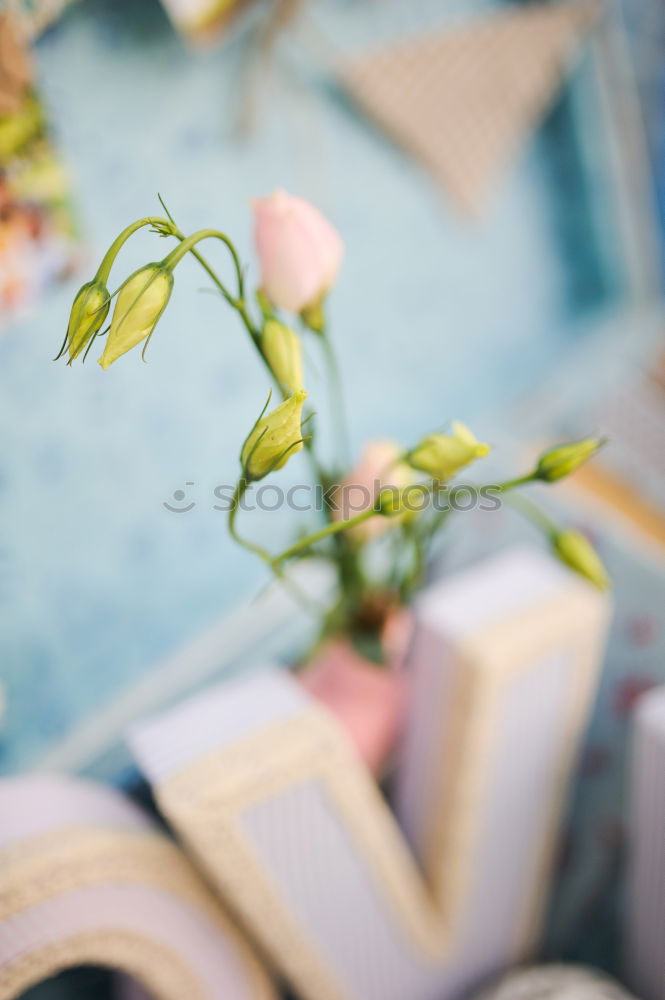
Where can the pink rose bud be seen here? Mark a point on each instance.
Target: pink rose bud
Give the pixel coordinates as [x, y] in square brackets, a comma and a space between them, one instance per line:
[300, 252]
[379, 468]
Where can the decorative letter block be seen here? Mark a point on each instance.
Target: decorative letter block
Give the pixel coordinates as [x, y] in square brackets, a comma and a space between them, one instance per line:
[86, 879]
[269, 795]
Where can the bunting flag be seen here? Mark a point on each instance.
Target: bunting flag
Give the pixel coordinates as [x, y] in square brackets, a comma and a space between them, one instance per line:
[464, 99]
[34, 16]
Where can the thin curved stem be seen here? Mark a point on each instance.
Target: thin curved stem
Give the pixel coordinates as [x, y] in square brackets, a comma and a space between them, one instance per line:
[240, 306]
[532, 512]
[318, 536]
[311, 606]
[440, 519]
[512, 484]
[212, 274]
[104, 269]
[504, 487]
[238, 303]
[189, 242]
[337, 399]
[238, 494]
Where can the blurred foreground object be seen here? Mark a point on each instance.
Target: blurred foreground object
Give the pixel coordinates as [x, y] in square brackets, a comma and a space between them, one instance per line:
[555, 982]
[38, 239]
[645, 914]
[15, 65]
[87, 880]
[202, 20]
[268, 792]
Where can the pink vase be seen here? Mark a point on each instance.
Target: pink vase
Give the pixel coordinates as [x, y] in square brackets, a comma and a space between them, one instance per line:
[367, 699]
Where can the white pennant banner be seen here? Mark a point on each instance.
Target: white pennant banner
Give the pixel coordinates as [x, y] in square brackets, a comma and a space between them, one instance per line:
[464, 99]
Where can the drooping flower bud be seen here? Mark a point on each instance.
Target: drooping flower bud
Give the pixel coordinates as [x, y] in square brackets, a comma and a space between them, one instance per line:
[274, 438]
[299, 250]
[283, 352]
[556, 463]
[577, 552]
[443, 455]
[141, 301]
[89, 311]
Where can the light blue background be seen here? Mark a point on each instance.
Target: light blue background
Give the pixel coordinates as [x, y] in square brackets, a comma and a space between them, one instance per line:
[435, 316]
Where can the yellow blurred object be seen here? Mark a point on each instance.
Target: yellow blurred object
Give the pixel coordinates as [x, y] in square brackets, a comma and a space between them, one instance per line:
[45, 179]
[19, 128]
[202, 20]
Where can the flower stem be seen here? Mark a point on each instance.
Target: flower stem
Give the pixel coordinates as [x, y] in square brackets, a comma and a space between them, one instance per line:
[104, 269]
[337, 399]
[512, 484]
[237, 302]
[308, 604]
[533, 513]
[318, 536]
[422, 543]
[189, 242]
[238, 494]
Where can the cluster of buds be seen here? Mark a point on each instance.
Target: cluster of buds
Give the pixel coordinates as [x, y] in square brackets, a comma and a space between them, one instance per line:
[141, 301]
[300, 254]
[142, 298]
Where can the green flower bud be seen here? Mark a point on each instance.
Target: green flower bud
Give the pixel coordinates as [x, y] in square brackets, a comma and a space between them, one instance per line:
[141, 301]
[314, 316]
[89, 311]
[443, 455]
[283, 352]
[566, 458]
[578, 553]
[274, 438]
[394, 501]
